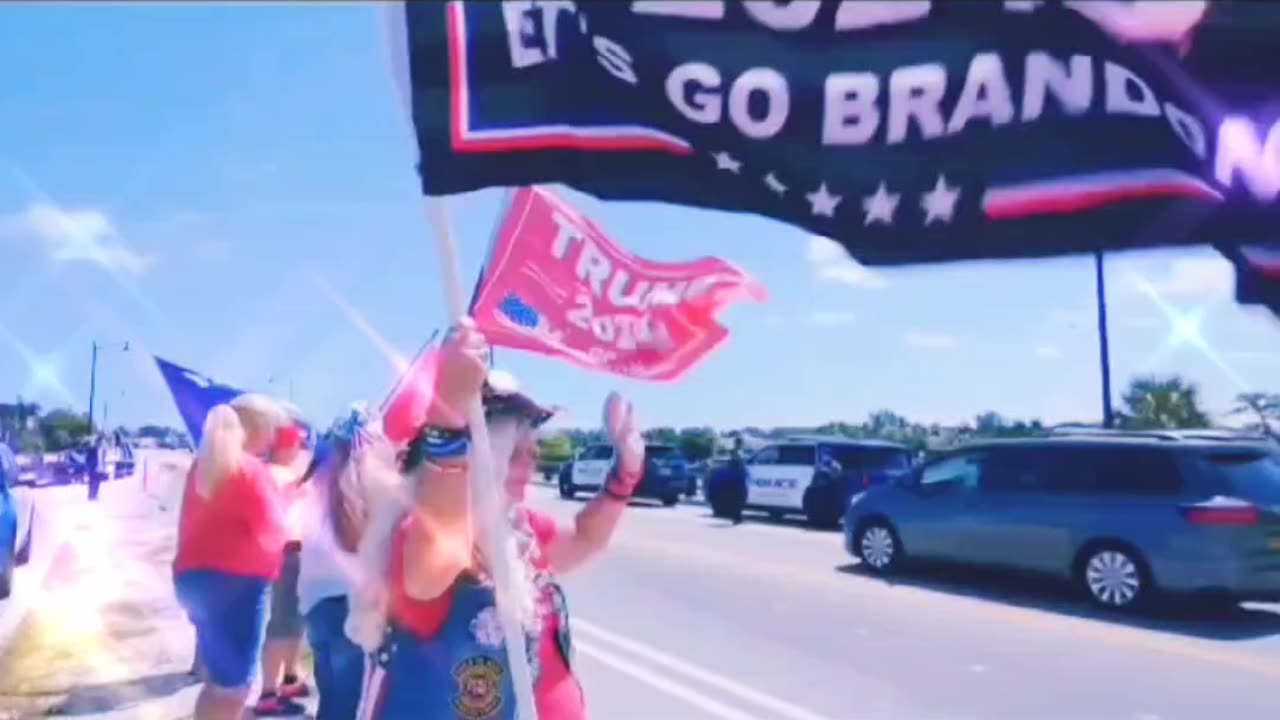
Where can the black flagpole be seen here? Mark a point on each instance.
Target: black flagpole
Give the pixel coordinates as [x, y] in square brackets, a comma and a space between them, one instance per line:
[1104, 351]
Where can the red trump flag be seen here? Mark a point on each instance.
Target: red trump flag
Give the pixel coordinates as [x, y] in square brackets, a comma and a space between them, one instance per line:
[556, 284]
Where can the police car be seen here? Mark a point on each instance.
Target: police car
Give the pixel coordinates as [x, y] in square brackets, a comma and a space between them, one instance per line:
[812, 476]
[666, 473]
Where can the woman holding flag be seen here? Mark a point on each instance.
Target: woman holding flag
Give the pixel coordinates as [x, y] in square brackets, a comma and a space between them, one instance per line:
[426, 609]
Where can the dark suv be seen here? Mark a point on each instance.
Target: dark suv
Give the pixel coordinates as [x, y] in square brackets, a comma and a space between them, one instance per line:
[1121, 514]
[666, 473]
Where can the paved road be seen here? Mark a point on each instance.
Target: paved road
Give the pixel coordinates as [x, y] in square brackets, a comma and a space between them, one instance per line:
[55, 507]
[58, 512]
[690, 618]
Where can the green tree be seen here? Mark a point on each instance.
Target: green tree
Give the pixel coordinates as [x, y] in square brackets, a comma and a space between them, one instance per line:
[1155, 403]
[886, 424]
[662, 436]
[989, 423]
[555, 449]
[1263, 406]
[63, 429]
[697, 443]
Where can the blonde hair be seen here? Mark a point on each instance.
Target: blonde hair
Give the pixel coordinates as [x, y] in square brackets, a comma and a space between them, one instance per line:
[228, 428]
[390, 496]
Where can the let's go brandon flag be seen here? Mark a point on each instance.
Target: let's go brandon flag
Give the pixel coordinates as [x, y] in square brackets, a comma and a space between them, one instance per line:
[910, 132]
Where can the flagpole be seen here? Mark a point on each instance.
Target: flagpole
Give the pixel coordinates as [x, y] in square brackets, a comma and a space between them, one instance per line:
[486, 483]
[407, 373]
[508, 197]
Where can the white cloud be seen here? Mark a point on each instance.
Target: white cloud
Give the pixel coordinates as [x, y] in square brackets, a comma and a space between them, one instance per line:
[1048, 352]
[929, 341]
[830, 317]
[830, 263]
[76, 236]
[1193, 278]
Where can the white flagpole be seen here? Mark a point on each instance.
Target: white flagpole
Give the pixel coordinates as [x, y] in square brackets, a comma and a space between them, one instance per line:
[487, 486]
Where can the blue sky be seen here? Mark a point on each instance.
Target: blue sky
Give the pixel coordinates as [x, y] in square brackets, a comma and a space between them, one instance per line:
[203, 181]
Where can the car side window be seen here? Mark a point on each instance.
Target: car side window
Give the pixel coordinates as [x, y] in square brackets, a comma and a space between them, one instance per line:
[796, 455]
[597, 452]
[1132, 471]
[1022, 470]
[957, 471]
[766, 456]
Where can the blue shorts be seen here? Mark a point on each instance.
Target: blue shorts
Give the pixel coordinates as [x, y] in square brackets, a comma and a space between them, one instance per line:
[230, 616]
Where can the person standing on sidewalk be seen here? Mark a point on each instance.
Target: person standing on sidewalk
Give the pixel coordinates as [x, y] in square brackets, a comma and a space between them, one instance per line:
[231, 536]
[426, 607]
[93, 461]
[281, 684]
[332, 526]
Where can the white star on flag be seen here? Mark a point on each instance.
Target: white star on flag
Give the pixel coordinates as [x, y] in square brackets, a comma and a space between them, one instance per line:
[774, 184]
[822, 202]
[940, 202]
[725, 161]
[880, 206]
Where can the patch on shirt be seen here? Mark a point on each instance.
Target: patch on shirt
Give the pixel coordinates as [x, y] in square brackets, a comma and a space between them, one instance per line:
[486, 628]
[479, 692]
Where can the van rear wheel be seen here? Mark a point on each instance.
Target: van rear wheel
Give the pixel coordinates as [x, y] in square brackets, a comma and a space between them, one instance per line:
[1114, 576]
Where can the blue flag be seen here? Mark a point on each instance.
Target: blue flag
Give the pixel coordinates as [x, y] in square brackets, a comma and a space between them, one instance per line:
[194, 394]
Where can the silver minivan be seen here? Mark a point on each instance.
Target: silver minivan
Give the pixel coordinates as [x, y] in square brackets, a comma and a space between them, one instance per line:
[1124, 515]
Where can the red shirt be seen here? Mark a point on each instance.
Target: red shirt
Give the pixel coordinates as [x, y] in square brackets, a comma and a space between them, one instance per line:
[240, 530]
[557, 692]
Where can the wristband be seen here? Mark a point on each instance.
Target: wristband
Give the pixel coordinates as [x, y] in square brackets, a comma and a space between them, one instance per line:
[436, 444]
[620, 485]
[614, 494]
[441, 444]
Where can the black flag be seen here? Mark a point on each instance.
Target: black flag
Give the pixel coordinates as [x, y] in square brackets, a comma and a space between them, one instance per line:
[910, 132]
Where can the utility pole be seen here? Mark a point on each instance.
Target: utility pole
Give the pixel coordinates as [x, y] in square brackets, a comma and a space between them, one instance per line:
[93, 383]
[1104, 350]
[93, 375]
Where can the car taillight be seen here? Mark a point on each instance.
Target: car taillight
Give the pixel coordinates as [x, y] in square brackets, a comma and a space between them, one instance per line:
[1233, 515]
[866, 480]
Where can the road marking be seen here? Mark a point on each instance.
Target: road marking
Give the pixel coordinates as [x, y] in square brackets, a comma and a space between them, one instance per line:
[829, 579]
[671, 687]
[778, 708]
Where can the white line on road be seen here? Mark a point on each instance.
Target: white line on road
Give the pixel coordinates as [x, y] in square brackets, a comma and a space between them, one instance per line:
[778, 708]
[671, 687]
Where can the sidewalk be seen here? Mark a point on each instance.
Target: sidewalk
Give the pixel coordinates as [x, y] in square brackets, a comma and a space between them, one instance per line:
[105, 637]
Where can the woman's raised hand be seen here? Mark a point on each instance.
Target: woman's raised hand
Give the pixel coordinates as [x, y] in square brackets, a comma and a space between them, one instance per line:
[464, 362]
[628, 444]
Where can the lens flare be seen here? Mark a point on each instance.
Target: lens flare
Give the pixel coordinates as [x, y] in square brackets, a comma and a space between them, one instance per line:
[44, 371]
[364, 327]
[1186, 328]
